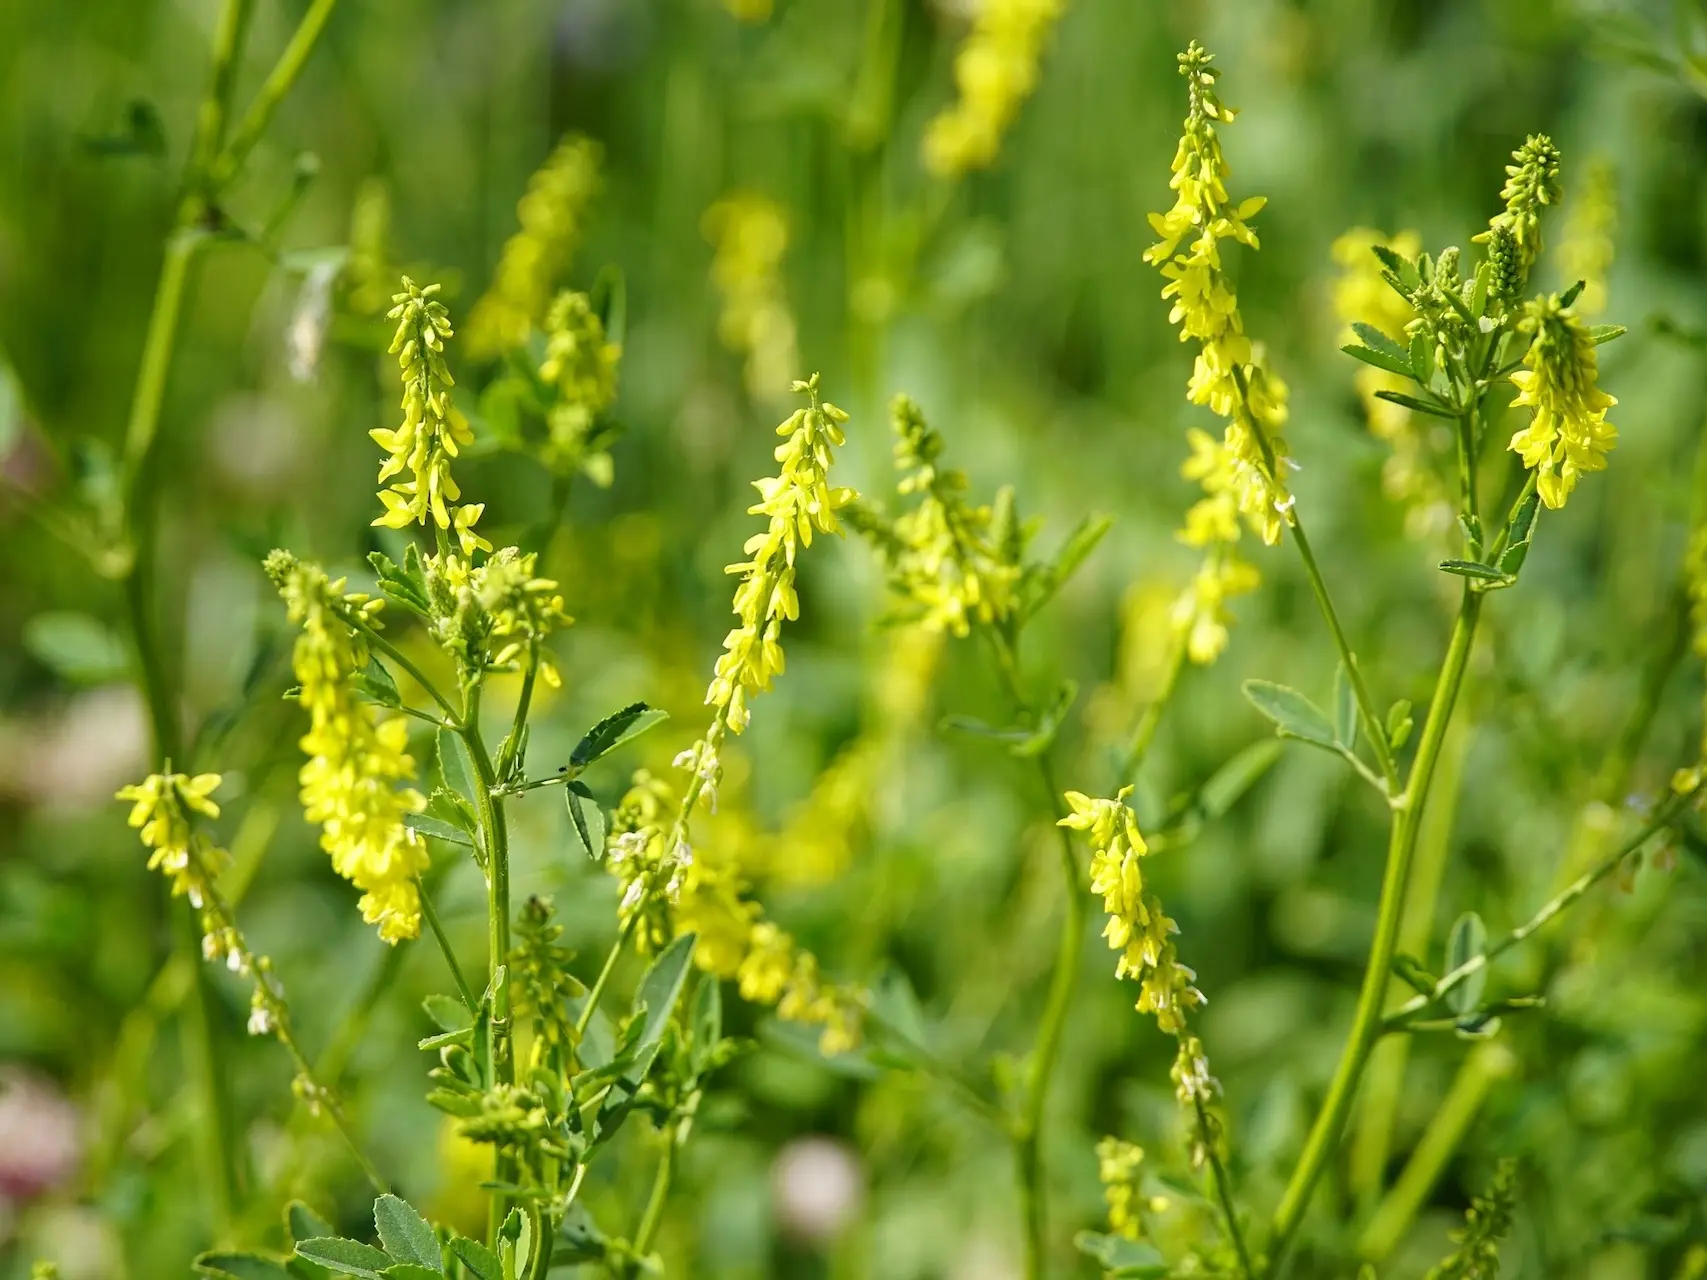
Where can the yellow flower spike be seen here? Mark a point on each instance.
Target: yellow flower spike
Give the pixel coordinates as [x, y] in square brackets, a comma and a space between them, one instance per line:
[749, 234]
[581, 365]
[1569, 434]
[1532, 181]
[552, 214]
[1117, 1169]
[354, 783]
[995, 72]
[161, 805]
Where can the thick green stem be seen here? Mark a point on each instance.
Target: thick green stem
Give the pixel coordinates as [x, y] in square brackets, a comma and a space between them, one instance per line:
[1366, 1024]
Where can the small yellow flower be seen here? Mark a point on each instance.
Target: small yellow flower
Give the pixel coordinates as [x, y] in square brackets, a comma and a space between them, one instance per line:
[749, 234]
[581, 367]
[1569, 434]
[1117, 1169]
[161, 805]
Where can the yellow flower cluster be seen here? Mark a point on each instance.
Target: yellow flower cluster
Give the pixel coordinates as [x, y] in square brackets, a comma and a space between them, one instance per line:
[581, 366]
[1117, 1169]
[432, 432]
[1587, 248]
[160, 809]
[749, 234]
[1569, 434]
[1137, 926]
[489, 616]
[947, 559]
[552, 214]
[1237, 472]
[354, 781]
[1362, 296]
[707, 896]
[995, 71]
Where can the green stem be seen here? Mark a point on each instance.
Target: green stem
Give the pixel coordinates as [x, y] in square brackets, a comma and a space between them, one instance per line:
[378, 640]
[512, 744]
[605, 971]
[278, 83]
[432, 915]
[653, 1216]
[1366, 1027]
[1223, 1189]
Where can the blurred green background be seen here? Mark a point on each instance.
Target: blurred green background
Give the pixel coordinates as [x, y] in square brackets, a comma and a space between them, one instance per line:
[1014, 306]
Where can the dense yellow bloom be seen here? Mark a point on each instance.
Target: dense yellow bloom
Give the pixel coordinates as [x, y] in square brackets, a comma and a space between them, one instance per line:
[354, 783]
[798, 500]
[1586, 249]
[995, 71]
[1569, 434]
[432, 432]
[581, 366]
[749, 234]
[1362, 296]
[160, 810]
[1117, 1169]
[489, 616]
[552, 215]
[1137, 926]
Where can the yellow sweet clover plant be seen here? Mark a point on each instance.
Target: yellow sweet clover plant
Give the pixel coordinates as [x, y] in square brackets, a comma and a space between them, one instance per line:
[995, 71]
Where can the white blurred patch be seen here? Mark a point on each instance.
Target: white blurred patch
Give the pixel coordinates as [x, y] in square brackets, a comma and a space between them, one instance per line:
[984, 1259]
[817, 1188]
[79, 755]
[39, 1139]
[256, 443]
[305, 337]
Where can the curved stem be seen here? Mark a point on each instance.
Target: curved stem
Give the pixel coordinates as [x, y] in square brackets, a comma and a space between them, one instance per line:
[378, 640]
[1366, 1027]
[609, 967]
[432, 915]
[278, 83]
[654, 1212]
[1223, 1189]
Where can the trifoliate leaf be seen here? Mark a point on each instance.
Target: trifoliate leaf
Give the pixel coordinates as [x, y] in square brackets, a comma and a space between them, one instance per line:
[1294, 715]
[614, 730]
[406, 1235]
[346, 1257]
[587, 817]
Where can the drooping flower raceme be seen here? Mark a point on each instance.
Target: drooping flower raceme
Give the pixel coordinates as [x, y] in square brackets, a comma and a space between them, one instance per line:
[1362, 296]
[355, 781]
[552, 214]
[995, 71]
[1238, 471]
[432, 433]
[1569, 434]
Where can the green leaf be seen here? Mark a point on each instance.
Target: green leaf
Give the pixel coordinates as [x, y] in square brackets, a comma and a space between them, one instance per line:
[1606, 332]
[346, 1257]
[1238, 775]
[1421, 356]
[1130, 1259]
[1345, 708]
[410, 1271]
[1038, 740]
[477, 1258]
[1073, 553]
[447, 1015]
[1403, 268]
[588, 819]
[1376, 340]
[240, 1266]
[75, 647]
[1399, 723]
[1571, 294]
[303, 1223]
[1520, 532]
[1475, 570]
[375, 684]
[445, 805]
[1294, 715]
[614, 730]
[1380, 359]
[1412, 403]
[428, 825]
[408, 585]
[707, 1016]
[1469, 939]
[578, 1237]
[456, 766]
[662, 987]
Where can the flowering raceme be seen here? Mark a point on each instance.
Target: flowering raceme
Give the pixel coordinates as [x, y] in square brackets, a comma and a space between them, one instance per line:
[1237, 472]
[749, 234]
[432, 432]
[581, 365]
[1569, 434]
[552, 215]
[354, 782]
[995, 71]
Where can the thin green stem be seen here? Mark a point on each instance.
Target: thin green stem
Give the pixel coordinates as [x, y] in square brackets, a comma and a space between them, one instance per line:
[1366, 1025]
[603, 980]
[524, 699]
[653, 1216]
[378, 640]
[228, 40]
[1661, 818]
[1223, 1189]
[1145, 734]
[439, 936]
[277, 84]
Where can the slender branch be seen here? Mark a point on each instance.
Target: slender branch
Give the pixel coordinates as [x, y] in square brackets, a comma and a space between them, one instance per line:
[1145, 733]
[609, 967]
[654, 1213]
[378, 640]
[512, 744]
[1662, 818]
[1223, 1189]
[277, 84]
